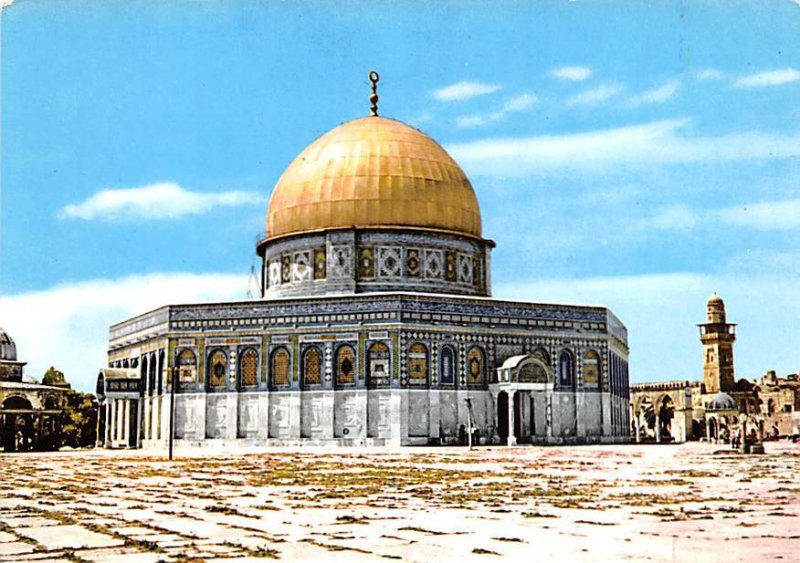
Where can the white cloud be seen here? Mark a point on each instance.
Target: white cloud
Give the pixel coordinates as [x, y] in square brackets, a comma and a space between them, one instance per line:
[154, 201]
[67, 325]
[512, 105]
[472, 120]
[710, 74]
[658, 142]
[594, 96]
[768, 78]
[464, 90]
[657, 95]
[672, 218]
[661, 311]
[572, 73]
[767, 216]
[520, 103]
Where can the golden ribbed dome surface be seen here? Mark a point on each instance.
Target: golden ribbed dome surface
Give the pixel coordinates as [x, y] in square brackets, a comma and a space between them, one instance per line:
[373, 172]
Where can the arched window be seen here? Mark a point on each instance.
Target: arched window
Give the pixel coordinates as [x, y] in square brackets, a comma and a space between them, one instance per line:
[532, 372]
[312, 366]
[447, 367]
[418, 364]
[345, 365]
[378, 364]
[151, 379]
[280, 367]
[249, 368]
[160, 373]
[566, 369]
[542, 355]
[217, 369]
[187, 366]
[143, 376]
[591, 369]
[475, 366]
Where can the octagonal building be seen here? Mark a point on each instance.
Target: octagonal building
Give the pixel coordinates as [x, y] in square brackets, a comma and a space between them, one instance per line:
[375, 325]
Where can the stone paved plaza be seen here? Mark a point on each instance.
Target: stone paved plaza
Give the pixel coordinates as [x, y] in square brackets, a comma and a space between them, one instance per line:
[692, 502]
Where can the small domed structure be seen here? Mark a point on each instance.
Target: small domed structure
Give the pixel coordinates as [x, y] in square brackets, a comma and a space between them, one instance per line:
[8, 349]
[715, 309]
[721, 402]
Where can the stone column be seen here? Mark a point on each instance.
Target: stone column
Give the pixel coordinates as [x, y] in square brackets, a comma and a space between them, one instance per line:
[139, 418]
[126, 421]
[107, 433]
[495, 438]
[639, 428]
[114, 421]
[147, 407]
[512, 440]
[708, 430]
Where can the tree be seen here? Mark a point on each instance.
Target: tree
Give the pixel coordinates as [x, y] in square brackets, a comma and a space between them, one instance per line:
[54, 378]
[79, 426]
[79, 417]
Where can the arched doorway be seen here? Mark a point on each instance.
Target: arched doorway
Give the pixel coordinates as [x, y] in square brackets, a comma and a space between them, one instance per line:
[666, 411]
[517, 417]
[16, 425]
[645, 420]
[502, 416]
[713, 430]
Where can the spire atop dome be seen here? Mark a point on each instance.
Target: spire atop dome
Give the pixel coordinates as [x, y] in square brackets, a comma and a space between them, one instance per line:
[374, 77]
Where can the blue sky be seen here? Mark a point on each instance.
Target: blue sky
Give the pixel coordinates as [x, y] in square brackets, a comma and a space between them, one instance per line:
[636, 155]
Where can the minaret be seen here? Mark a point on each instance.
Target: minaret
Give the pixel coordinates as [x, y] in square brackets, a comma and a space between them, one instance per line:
[717, 337]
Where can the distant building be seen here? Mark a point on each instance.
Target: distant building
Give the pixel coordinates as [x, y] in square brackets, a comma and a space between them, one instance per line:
[30, 412]
[715, 408]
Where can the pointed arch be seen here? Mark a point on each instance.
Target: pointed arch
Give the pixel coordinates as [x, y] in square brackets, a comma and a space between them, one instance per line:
[217, 370]
[591, 369]
[280, 365]
[566, 369]
[187, 366]
[476, 366]
[248, 368]
[345, 365]
[378, 365]
[447, 365]
[418, 364]
[312, 367]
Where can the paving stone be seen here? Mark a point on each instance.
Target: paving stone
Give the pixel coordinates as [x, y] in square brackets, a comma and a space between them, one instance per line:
[15, 547]
[69, 537]
[42, 558]
[6, 537]
[159, 538]
[132, 530]
[30, 522]
[121, 556]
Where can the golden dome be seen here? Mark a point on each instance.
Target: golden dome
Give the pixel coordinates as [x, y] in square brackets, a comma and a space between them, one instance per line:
[373, 172]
